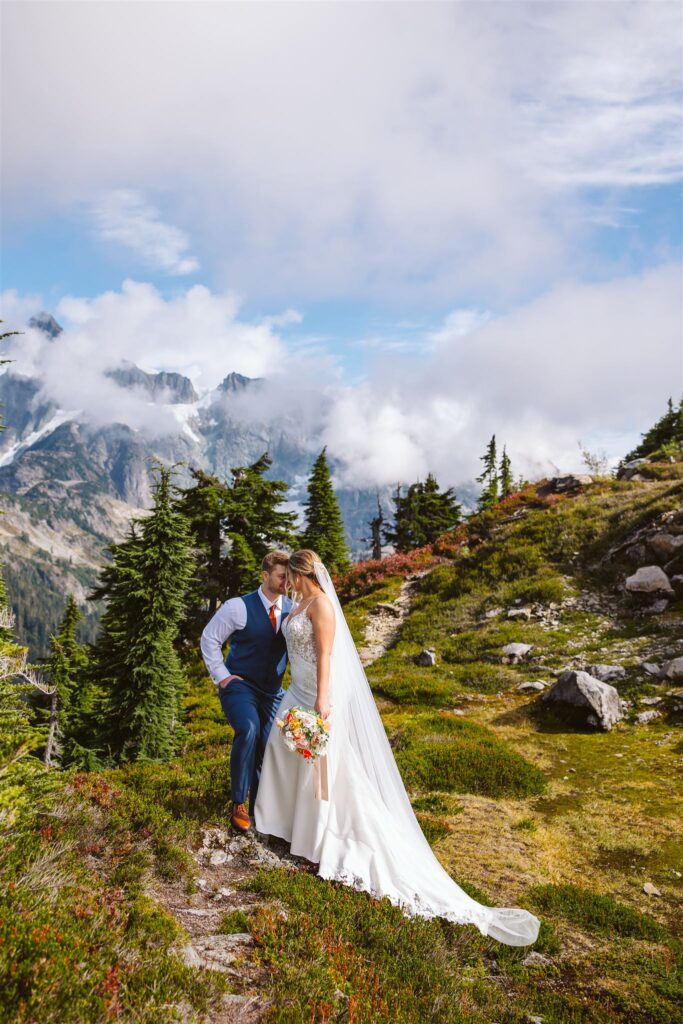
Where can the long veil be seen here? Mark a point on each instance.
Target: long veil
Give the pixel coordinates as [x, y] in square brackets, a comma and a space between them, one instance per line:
[355, 713]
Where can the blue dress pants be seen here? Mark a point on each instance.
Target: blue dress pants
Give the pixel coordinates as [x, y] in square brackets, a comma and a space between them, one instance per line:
[251, 712]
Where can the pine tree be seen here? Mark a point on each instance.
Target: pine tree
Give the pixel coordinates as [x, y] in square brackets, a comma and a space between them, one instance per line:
[255, 515]
[506, 485]
[665, 435]
[205, 505]
[68, 671]
[489, 477]
[145, 590]
[324, 531]
[422, 515]
[233, 525]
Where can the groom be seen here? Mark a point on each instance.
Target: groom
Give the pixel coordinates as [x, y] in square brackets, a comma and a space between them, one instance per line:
[250, 680]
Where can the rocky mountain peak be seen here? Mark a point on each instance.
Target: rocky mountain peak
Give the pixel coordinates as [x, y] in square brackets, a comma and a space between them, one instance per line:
[46, 322]
[179, 388]
[236, 382]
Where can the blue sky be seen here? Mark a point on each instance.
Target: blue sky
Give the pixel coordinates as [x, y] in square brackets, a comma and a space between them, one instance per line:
[368, 195]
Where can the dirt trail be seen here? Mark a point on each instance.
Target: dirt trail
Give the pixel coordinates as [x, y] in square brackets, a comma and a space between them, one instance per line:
[224, 860]
[385, 621]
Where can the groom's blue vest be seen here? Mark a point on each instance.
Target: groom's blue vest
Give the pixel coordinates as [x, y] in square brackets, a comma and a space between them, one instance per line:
[257, 652]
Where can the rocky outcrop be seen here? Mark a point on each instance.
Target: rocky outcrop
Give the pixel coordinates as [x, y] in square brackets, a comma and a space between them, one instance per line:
[581, 690]
[569, 484]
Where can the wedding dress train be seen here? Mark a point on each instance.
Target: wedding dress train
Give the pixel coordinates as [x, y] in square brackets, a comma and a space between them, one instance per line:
[366, 835]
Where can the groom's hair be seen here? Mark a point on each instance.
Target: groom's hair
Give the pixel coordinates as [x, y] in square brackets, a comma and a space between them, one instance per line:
[274, 558]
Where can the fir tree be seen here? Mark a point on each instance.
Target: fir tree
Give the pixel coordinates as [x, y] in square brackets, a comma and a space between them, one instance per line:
[489, 477]
[205, 505]
[665, 437]
[506, 484]
[255, 515]
[324, 531]
[233, 525]
[68, 670]
[422, 515]
[145, 590]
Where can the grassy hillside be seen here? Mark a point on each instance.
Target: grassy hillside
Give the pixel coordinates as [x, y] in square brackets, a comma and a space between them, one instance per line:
[104, 881]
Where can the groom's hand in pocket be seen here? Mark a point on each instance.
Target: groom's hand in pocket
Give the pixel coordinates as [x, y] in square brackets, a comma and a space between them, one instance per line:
[224, 682]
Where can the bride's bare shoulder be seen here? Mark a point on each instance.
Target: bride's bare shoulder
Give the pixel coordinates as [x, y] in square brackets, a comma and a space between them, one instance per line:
[321, 609]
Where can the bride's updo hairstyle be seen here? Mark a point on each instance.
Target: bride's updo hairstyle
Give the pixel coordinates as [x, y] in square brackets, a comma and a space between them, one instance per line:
[302, 563]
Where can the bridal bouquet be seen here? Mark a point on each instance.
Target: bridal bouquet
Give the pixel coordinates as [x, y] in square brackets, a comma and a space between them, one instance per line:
[305, 732]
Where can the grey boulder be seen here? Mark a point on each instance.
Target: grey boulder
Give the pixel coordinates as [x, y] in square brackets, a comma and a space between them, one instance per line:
[581, 690]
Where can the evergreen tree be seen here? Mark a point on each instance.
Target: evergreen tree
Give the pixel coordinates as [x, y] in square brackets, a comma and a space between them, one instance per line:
[145, 590]
[422, 515]
[255, 515]
[205, 505]
[506, 484]
[489, 477]
[233, 525]
[68, 670]
[324, 531]
[665, 437]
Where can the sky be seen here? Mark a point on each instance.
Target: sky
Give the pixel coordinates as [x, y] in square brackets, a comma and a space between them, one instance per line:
[424, 223]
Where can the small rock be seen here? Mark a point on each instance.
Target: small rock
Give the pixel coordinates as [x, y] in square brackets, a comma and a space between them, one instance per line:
[512, 653]
[492, 612]
[674, 669]
[651, 889]
[386, 609]
[519, 613]
[656, 608]
[606, 673]
[649, 579]
[651, 668]
[191, 956]
[218, 857]
[534, 959]
[647, 716]
[426, 658]
[532, 686]
[651, 700]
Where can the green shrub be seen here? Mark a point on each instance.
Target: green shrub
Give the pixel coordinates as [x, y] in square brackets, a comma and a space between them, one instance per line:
[442, 753]
[596, 911]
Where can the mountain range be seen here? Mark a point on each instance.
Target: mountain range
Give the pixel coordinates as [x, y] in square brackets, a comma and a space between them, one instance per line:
[71, 486]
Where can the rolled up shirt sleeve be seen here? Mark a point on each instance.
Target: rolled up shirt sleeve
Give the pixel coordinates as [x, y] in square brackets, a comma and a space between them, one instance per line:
[231, 615]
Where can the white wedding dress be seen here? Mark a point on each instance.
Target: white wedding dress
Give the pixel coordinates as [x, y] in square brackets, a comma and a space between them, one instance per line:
[366, 835]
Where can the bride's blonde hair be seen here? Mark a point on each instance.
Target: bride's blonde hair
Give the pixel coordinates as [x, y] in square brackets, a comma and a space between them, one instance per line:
[302, 563]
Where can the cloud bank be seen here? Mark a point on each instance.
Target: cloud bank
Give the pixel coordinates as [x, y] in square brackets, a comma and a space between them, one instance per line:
[589, 362]
[454, 152]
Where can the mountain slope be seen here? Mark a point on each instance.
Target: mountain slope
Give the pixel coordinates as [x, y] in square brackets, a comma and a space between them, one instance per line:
[524, 806]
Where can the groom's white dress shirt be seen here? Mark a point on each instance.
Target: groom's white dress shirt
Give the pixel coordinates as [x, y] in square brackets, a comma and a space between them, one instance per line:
[231, 615]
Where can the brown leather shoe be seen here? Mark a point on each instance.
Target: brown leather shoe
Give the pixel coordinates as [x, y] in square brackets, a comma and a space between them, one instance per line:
[239, 818]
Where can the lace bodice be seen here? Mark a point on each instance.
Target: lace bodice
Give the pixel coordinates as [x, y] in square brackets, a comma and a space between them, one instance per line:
[298, 630]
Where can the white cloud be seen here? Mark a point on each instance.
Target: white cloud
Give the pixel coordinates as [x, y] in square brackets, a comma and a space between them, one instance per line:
[196, 333]
[408, 150]
[124, 216]
[590, 362]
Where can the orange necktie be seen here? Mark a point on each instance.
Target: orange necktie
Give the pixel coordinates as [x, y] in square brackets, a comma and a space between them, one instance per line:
[271, 616]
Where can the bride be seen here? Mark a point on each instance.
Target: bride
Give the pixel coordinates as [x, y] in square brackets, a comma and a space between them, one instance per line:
[365, 834]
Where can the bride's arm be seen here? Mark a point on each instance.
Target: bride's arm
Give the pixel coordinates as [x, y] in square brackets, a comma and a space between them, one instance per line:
[321, 614]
